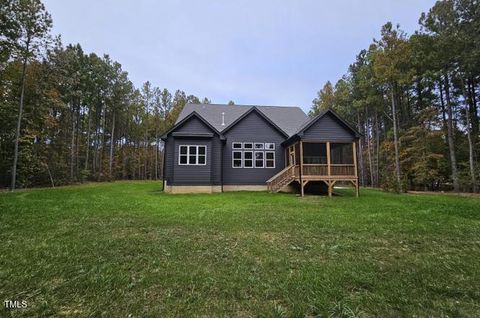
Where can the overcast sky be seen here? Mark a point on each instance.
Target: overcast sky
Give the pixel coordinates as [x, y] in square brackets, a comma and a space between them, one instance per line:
[252, 52]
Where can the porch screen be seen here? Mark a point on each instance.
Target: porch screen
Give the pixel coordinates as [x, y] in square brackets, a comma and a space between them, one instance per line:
[314, 153]
[341, 153]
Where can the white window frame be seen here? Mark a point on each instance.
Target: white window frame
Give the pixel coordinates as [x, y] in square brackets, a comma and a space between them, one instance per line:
[241, 159]
[270, 144]
[244, 159]
[197, 155]
[266, 160]
[248, 143]
[258, 143]
[237, 143]
[255, 159]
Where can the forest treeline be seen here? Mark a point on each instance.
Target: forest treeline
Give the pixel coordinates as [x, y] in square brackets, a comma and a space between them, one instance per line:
[68, 116]
[415, 100]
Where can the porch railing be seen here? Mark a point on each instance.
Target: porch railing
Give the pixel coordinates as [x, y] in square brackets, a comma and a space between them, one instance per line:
[282, 178]
[335, 170]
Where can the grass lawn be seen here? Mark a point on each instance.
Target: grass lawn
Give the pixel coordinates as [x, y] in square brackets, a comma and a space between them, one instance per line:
[125, 248]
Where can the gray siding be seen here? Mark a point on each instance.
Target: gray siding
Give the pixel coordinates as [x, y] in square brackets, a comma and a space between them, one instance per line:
[252, 128]
[328, 128]
[169, 146]
[216, 161]
[193, 175]
[194, 126]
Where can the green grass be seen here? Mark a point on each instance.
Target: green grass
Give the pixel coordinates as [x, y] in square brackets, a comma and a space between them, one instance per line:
[116, 249]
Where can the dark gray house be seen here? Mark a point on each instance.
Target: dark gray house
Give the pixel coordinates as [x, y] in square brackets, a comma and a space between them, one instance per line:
[216, 148]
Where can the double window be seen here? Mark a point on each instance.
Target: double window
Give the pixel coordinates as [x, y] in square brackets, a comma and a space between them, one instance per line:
[253, 155]
[192, 155]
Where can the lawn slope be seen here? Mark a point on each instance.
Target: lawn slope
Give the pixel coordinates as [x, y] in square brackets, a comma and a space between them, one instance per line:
[116, 249]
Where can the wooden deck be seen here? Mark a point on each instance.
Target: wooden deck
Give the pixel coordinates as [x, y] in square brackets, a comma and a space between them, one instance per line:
[304, 173]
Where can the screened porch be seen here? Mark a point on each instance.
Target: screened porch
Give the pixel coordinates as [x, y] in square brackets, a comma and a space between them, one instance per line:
[328, 162]
[329, 159]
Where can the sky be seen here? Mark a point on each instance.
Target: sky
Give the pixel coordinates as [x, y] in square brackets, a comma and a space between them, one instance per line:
[261, 52]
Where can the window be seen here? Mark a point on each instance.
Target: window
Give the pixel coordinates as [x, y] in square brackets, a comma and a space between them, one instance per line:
[202, 154]
[253, 155]
[237, 159]
[183, 155]
[259, 159]
[192, 155]
[248, 159]
[269, 146]
[247, 145]
[270, 159]
[258, 145]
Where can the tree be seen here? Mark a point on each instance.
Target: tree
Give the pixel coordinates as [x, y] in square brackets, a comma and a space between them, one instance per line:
[34, 22]
[323, 101]
[9, 32]
[440, 22]
[391, 66]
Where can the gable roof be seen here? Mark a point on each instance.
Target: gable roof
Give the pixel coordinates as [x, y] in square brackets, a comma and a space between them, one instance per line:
[179, 123]
[312, 121]
[251, 110]
[287, 119]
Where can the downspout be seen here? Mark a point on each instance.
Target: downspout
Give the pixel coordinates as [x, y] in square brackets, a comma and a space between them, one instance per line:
[164, 164]
[221, 164]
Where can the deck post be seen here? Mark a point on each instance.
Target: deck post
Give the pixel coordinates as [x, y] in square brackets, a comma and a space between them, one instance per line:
[301, 169]
[354, 144]
[328, 159]
[330, 190]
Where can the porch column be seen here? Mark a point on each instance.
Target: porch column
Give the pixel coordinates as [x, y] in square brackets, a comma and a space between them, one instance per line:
[354, 147]
[328, 159]
[301, 169]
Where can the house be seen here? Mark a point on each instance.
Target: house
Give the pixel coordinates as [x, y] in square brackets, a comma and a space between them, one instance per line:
[217, 148]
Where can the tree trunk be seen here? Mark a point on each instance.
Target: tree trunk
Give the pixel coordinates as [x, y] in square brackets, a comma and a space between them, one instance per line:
[470, 153]
[19, 119]
[468, 103]
[111, 147]
[102, 125]
[369, 149]
[360, 153]
[473, 109]
[156, 154]
[87, 149]
[444, 111]
[377, 161]
[395, 140]
[78, 136]
[50, 176]
[72, 144]
[451, 143]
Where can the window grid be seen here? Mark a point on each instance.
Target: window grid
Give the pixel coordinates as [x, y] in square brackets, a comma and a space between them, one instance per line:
[269, 159]
[253, 155]
[192, 155]
[237, 159]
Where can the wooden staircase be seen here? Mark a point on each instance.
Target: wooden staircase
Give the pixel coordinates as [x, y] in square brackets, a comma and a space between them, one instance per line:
[281, 179]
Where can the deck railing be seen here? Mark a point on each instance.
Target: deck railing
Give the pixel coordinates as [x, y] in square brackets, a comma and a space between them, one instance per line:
[343, 170]
[335, 170]
[315, 170]
[282, 178]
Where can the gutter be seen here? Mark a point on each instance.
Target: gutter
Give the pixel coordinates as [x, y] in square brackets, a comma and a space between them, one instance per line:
[164, 164]
[221, 163]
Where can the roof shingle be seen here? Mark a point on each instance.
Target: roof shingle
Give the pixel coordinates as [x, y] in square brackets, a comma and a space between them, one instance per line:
[287, 118]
